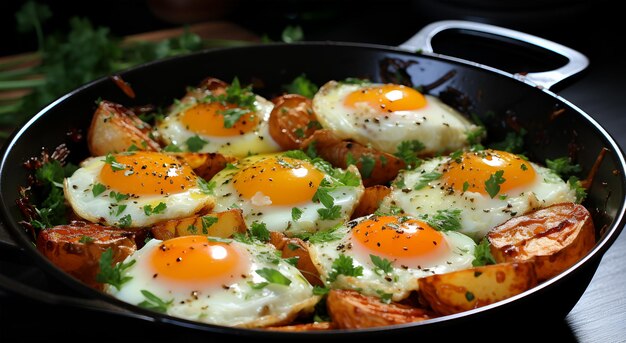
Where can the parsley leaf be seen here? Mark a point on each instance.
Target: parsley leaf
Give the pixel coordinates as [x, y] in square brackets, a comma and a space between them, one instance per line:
[154, 303]
[148, 210]
[273, 276]
[367, 166]
[172, 148]
[292, 34]
[384, 297]
[125, 221]
[425, 179]
[86, 239]
[445, 220]
[350, 160]
[563, 167]
[382, 264]
[296, 214]
[195, 143]
[118, 196]
[330, 213]
[206, 187]
[112, 275]
[115, 166]
[323, 236]
[232, 115]
[303, 86]
[492, 185]
[513, 142]
[320, 290]
[482, 254]
[207, 222]
[576, 185]
[476, 135]
[408, 150]
[258, 230]
[98, 189]
[343, 265]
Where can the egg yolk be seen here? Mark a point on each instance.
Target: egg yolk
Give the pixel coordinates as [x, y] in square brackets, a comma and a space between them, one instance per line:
[388, 98]
[403, 241]
[146, 173]
[208, 119]
[478, 171]
[197, 260]
[283, 180]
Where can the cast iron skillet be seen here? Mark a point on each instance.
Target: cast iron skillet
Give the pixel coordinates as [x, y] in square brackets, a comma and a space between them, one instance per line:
[555, 128]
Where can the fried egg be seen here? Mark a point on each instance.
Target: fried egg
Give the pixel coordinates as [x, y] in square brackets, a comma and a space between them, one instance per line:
[135, 189]
[385, 115]
[485, 188]
[388, 254]
[204, 122]
[288, 194]
[215, 281]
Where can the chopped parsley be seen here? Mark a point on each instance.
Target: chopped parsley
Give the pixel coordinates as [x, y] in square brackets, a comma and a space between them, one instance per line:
[172, 148]
[445, 220]
[301, 85]
[382, 264]
[350, 160]
[86, 239]
[292, 260]
[149, 210]
[273, 276]
[52, 209]
[320, 290]
[492, 185]
[466, 186]
[259, 231]
[482, 254]
[407, 151]
[425, 179]
[563, 167]
[98, 189]
[330, 213]
[324, 236]
[232, 115]
[367, 166]
[125, 221]
[154, 303]
[476, 135]
[384, 297]
[243, 98]
[206, 187]
[118, 196]
[296, 214]
[115, 166]
[195, 143]
[513, 142]
[207, 222]
[576, 185]
[112, 275]
[343, 265]
[120, 210]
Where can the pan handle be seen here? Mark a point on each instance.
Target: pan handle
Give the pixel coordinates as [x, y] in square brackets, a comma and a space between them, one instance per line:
[577, 62]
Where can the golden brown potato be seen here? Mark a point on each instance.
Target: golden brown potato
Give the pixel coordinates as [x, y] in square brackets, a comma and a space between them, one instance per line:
[304, 327]
[295, 247]
[555, 237]
[466, 289]
[219, 224]
[205, 165]
[76, 248]
[114, 128]
[292, 120]
[349, 309]
[376, 167]
[370, 201]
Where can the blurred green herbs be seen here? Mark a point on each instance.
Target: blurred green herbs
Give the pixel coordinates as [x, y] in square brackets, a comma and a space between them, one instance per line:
[65, 61]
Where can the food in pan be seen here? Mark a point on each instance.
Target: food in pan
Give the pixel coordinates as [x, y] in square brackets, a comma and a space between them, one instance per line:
[369, 205]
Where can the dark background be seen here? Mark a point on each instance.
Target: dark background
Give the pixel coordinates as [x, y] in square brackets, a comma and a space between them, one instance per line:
[593, 27]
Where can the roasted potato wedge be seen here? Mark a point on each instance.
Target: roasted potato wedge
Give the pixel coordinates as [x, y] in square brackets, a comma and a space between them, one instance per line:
[76, 248]
[555, 237]
[466, 289]
[292, 120]
[218, 224]
[370, 201]
[295, 247]
[304, 327]
[376, 167]
[205, 165]
[115, 128]
[349, 309]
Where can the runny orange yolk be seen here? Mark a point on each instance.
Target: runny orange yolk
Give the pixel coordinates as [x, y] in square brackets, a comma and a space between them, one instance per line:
[388, 98]
[147, 173]
[473, 169]
[283, 180]
[196, 260]
[403, 241]
[208, 119]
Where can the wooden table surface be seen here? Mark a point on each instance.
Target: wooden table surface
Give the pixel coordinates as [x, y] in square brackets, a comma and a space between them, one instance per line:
[599, 316]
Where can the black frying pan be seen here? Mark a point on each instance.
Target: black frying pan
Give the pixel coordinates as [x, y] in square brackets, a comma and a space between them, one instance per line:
[469, 87]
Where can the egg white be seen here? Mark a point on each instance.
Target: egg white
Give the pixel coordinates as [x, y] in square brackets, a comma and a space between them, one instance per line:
[258, 141]
[437, 126]
[104, 209]
[479, 212]
[402, 280]
[235, 304]
[279, 217]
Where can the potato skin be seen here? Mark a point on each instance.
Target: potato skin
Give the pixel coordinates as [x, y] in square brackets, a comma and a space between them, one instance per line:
[370, 201]
[63, 247]
[466, 289]
[228, 223]
[292, 120]
[295, 247]
[554, 237]
[349, 309]
[338, 152]
[114, 128]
